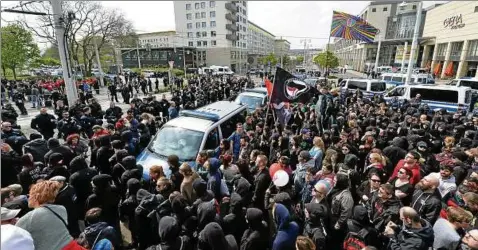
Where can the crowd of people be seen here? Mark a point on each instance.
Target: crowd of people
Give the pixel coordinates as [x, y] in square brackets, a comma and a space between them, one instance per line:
[338, 172]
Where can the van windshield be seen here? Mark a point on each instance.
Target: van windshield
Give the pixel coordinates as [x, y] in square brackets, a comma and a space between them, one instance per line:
[378, 86]
[440, 95]
[252, 102]
[182, 142]
[468, 83]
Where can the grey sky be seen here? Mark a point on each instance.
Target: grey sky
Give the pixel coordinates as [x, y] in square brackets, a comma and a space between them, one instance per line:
[290, 19]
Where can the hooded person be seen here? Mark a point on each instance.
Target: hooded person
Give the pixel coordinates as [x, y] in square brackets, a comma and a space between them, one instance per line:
[130, 171]
[30, 173]
[55, 147]
[37, 146]
[67, 197]
[127, 208]
[243, 188]
[234, 223]
[428, 160]
[118, 168]
[169, 234]
[214, 178]
[397, 150]
[105, 198]
[55, 167]
[103, 155]
[80, 180]
[97, 230]
[206, 213]
[183, 216]
[200, 188]
[147, 234]
[256, 236]
[287, 230]
[361, 225]
[316, 221]
[212, 238]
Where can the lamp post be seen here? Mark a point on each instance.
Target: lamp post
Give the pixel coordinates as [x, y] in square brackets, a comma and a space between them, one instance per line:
[414, 41]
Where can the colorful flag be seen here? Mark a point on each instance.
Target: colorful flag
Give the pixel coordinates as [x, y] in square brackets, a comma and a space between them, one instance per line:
[352, 27]
[268, 86]
[288, 88]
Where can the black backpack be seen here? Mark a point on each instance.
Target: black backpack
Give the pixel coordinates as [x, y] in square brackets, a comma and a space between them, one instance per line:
[355, 241]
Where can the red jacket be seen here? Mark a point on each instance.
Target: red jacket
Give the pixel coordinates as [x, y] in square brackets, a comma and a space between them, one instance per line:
[415, 170]
[99, 133]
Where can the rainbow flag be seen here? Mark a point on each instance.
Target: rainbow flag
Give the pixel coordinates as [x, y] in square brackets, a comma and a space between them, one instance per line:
[352, 28]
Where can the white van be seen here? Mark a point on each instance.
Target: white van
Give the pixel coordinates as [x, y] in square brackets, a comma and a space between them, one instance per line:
[384, 69]
[368, 87]
[221, 70]
[465, 82]
[397, 79]
[451, 98]
[191, 132]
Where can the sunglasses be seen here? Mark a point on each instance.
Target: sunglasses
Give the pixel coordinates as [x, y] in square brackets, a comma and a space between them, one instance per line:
[375, 180]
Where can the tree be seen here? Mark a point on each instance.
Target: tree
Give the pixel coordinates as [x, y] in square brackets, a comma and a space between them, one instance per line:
[47, 61]
[51, 52]
[327, 59]
[299, 59]
[269, 58]
[18, 48]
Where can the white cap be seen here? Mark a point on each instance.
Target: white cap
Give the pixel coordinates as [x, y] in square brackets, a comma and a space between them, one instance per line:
[8, 214]
[15, 238]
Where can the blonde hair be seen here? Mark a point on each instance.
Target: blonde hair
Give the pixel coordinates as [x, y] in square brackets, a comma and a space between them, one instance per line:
[44, 192]
[449, 142]
[304, 243]
[318, 142]
[378, 158]
[186, 168]
[458, 214]
[157, 170]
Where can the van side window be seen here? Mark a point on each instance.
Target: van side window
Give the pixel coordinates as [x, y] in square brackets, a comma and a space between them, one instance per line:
[357, 85]
[397, 92]
[212, 140]
[342, 83]
[440, 95]
[387, 78]
[229, 126]
[471, 84]
[378, 86]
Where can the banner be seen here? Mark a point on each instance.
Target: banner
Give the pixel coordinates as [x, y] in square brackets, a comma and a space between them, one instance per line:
[352, 27]
[288, 88]
[399, 54]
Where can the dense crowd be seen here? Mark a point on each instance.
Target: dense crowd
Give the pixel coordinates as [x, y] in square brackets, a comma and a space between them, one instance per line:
[338, 172]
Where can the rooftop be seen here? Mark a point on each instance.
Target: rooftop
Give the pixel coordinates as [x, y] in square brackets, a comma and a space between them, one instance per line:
[259, 27]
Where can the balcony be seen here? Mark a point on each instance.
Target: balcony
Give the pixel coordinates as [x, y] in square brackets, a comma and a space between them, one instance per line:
[231, 7]
[231, 17]
[232, 37]
[231, 27]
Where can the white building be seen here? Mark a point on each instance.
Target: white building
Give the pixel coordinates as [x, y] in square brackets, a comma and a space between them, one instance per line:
[217, 28]
[162, 39]
[260, 43]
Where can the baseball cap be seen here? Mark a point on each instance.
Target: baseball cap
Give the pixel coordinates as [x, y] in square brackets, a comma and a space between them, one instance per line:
[422, 144]
[8, 214]
[15, 238]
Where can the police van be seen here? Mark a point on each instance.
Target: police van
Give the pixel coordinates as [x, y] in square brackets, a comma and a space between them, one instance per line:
[368, 87]
[451, 98]
[252, 98]
[397, 79]
[466, 82]
[191, 132]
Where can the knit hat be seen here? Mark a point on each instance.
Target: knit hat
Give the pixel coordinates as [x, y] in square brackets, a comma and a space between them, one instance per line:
[53, 143]
[55, 159]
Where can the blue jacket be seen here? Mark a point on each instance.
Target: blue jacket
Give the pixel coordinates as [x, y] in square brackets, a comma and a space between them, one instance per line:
[173, 112]
[287, 231]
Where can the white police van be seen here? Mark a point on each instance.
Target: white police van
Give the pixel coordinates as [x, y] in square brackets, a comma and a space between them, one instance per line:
[466, 82]
[253, 98]
[191, 132]
[397, 79]
[368, 87]
[451, 98]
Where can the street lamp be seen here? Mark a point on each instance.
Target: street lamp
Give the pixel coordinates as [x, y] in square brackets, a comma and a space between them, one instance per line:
[414, 41]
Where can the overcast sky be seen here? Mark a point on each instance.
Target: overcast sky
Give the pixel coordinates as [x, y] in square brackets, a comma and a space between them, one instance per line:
[293, 20]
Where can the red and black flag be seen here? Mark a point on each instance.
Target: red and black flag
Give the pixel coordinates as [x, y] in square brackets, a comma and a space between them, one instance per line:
[288, 88]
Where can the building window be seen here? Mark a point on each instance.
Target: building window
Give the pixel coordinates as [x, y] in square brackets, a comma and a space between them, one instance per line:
[476, 9]
[191, 44]
[203, 14]
[198, 34]
[402, 7]
[244, 28]
[189, 16]
[213, 43]
[385, 9]
[198, 25]
[204, 24]
[203, 5]
[213, 24]
[414, 7]
[212, 14]
[374, 10]
[198, 43]
[204, 34]
[244, 12]
[213, 33]
[188, 6]
[190, 34]
[198, 15]
[212, 4]
[473, 49]
[196, 6]
[204, 43]
[189, 25]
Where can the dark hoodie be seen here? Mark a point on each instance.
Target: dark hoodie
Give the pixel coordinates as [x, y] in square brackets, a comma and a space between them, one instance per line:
[243, 188]
[396, 151]
[360, 224]
[37, 147]
[316, 225]
[234, 223]
[200, 187]
[413, 238]
[169, 230]
[104, 198]
[118, 168]
[287, 230]
[128, 206]
[131, 171]
[206, 214]
[212, 238]
[383, 212]
[98, 231]
[105, 152]
[256, 237]
[55, 147]
[147, 226]
[66, 197]
[214, 178]
[80, 180]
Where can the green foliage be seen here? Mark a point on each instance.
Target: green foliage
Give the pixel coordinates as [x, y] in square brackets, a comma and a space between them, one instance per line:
[18, 48]
[47, 61]
[176, 72]
[300, 59]
[269, 58]
[52, 52]
[327, 59]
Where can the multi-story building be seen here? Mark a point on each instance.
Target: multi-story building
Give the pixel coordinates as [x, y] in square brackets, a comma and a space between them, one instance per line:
[452, 48]
[260, 42]
[161, 39]
[281, 47]
[218, 29]
[395, 22]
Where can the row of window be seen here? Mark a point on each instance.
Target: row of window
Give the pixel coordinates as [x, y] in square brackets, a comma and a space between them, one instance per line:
[201, 34]
[161, 39]
[212, 24]
[202, 43]
[200, 15]
[201, 5]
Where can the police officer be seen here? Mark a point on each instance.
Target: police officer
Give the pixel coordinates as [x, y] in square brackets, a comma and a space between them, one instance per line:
[112, 89]
[44, 123]
[19, 99]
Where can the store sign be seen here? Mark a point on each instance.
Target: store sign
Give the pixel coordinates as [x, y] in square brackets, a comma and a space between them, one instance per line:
[454, 22]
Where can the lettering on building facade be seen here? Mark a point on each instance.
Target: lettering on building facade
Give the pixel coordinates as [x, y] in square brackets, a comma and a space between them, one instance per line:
[454, 22]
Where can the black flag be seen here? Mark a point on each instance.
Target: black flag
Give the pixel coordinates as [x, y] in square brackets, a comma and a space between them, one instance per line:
[288, 88]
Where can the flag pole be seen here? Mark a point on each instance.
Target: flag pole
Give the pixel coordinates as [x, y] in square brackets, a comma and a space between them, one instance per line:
[327, 61]
[270, 97]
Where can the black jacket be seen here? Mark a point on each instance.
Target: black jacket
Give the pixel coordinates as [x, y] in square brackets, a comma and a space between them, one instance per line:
[316, 226]
[80, 180]
[67, 198]
[360, 224]
[105, 152]
[44, 123]
[99, 231]
[261, 182]
[28, 176]
[67, 153]
[383, 212]
[256, 237]
[412, 238]
[38, 148]
[427, 204]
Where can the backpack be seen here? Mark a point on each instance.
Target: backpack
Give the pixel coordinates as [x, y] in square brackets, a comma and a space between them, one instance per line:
[355, 241]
